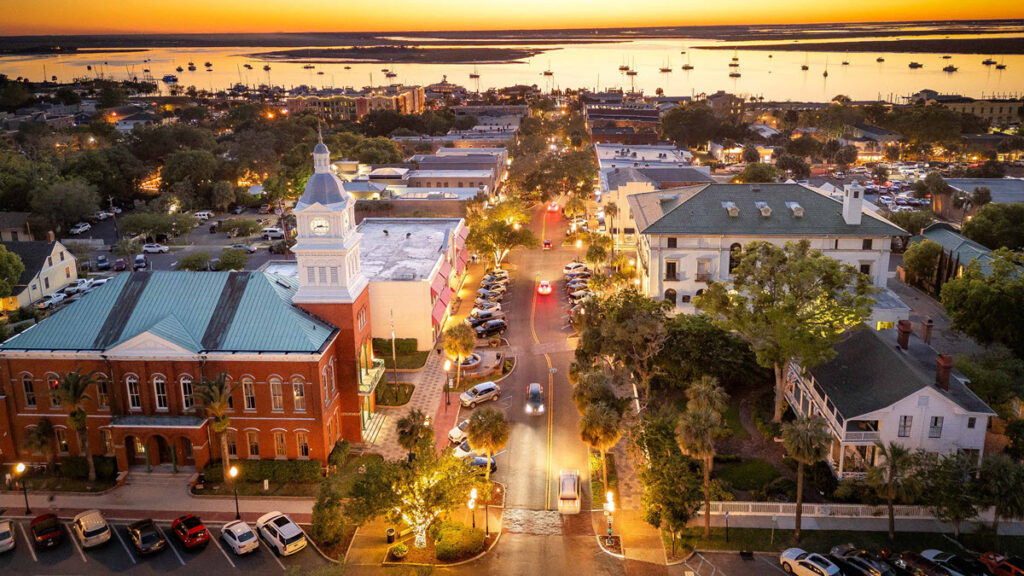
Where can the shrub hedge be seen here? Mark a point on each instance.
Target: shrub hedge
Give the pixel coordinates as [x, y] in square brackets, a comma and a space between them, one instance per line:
[77, 467]
[382, 346]
[455, 541]
[278, 471]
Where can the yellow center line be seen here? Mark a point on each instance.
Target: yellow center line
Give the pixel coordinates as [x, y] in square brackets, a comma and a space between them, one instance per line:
[551, 386]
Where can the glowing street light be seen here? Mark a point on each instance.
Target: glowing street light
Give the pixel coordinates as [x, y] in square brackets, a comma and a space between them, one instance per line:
[472, 505]
[20, 470]
[233, 473]
[447, 389]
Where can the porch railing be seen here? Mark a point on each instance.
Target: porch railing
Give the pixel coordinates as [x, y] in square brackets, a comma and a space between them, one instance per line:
[370, 377]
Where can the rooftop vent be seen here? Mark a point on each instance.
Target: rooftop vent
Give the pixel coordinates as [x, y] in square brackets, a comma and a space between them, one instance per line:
[408, 234]
[765, 209]
[796, 209]
[283, 284]
[385, 232]
[731, 208]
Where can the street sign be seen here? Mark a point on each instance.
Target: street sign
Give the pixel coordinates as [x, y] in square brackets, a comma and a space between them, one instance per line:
[553, 371]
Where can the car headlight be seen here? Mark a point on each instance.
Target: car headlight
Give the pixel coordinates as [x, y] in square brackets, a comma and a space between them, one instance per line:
[528, 409]
[540, 409]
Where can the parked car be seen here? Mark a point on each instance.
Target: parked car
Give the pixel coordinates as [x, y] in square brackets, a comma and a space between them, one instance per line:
[464, 451]
[281, 533]
[140, 262]
[956, 565]
[1000, 565]
[488, 283]
[51, 301]
[802, 563]
[239, 537]
[919, 565]
[862, 558]
[574, 267]
[102, 262]
[480, 393]
[7, 541]
[80, 285]
[493, 275]
[492, 291]
[120, 265]
[239, 209]
[577, 275]
[80, 228]
[486, 307]
[155, 249]
[46, 531]
[578, 284]
[273, 233]
[534, 399]
[480, 462]
[490, 328]
[190, 531]
[485, 317]
[544, 288]
[101, 215]
[247, 247]
[146, 537]
[91, 529]
[457, 434]
[569, 492]
[579, 295]
[204, 215]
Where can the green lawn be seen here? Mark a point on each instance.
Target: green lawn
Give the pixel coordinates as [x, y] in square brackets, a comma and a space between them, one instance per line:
[760, 539]
[748, 474]
[386, 394]
[350, 472]
[597, 488]
[732, 421]
[406, 361]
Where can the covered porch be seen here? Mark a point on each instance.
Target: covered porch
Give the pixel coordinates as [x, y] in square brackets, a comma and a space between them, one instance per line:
[182, 442]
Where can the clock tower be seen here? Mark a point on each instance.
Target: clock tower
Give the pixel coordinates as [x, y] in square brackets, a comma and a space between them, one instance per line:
[332, 287]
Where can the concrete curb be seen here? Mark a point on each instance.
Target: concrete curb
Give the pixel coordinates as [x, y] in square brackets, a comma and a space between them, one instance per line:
[251, 498]
[321, 552]
[678, 562]
[497, 538]
[63, 492]
[609, 552]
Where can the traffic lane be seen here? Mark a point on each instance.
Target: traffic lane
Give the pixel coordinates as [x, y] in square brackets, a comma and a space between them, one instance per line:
[524, 553]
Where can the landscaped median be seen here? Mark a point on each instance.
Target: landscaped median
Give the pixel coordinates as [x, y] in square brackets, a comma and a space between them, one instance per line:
[71, 475]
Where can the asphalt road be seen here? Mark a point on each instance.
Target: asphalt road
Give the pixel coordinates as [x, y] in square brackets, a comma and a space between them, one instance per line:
[119, 556]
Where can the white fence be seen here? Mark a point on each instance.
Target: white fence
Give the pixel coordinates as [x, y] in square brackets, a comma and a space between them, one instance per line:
[826, 510]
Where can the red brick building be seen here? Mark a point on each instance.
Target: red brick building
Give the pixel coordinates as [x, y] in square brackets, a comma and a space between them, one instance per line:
[296, 349]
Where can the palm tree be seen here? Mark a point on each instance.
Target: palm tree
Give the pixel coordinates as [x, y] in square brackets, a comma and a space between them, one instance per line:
[699, 426]
[976, 199]
[611, 210]
[71, 395]
[893, 479]
[215, 397]
[600, 427]
[39, 439]
[488, 431]
[459, 342]
[806, 440]
[1000, 482]
[414, 431]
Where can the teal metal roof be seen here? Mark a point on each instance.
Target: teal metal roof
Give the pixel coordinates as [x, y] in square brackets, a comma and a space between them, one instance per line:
[198, 311]
[958, 246]
[703, 212]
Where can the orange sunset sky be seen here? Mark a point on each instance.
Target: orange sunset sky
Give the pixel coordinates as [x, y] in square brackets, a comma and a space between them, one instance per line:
[202, 16]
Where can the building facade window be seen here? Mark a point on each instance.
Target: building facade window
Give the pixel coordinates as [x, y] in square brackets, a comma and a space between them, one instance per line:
[906, 422]
[52, 383]
[160, 392]
[103, 394]
[865, 269]
[254, 444]
[361, 317]
[671, 272]
[670, 296]
[140, 448]
[276, 395]
[735, 252]
[279, 447]
[935, 427]
[30, 391]
[108, 442]
[62, 439]
[249, 392]
[134, 398]
[672, 242]
[188, 398]
[232, 445]
[866, 244]
[972, 422]
[303, 441]
[299, 395]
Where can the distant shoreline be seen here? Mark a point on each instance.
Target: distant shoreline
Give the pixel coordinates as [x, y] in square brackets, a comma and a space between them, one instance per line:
[981, 46]
[403, 55]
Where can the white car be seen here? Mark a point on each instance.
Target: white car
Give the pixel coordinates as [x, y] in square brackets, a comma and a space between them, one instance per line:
[569, 492]
[80, 227]
[464, 451]
[7, 541]
[574, 267]
[155, 249]
[281, 533]
[204, 215]
[101, 215]
[51, 301]
[486, 307]
[91, 528]
[802, 563]
[458, 433]
[80, 285]
[239, 537]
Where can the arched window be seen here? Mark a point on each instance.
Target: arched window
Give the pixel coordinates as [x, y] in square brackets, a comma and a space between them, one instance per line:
[188, 399]
[134, 397]
[670, 295]
[276, 395]
[30, 391]
[735, 251]
[160, 391]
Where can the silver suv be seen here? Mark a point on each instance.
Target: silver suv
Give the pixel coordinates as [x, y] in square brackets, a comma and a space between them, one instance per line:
[480, 393]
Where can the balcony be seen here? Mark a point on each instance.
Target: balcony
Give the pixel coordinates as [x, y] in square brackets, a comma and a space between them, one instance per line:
[369, 378]
[704, 277]
[861, 436]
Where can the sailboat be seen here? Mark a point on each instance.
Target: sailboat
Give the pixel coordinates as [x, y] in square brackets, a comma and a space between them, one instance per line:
[950, 69]
[548, 72]
[247, 66]
[846, 59]
[879, 59]
[988, 61]
[308, 67]
[735, 56]
[667, 67]
[734, 73]
[825, 73]
[623, 67]
[474, 74]
[915, 65]
[687, 66]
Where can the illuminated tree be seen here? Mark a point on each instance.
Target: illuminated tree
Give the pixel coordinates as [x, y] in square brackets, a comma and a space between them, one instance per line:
[459, 343]
[498, 238]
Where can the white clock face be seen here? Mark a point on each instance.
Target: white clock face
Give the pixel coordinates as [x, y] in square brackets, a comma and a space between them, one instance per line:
[319, 226]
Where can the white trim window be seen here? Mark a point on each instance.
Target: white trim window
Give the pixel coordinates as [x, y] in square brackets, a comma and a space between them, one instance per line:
[103, 394]
[299, 395]
[30, 391]
[188, 397]
[160, 392]
[134, 397]
[52, 383]
[61, 434]
[303, 441]
[280, 451]
[935, 427]
[276, 395]
[253, 439]
[108, 442]
[249, 392]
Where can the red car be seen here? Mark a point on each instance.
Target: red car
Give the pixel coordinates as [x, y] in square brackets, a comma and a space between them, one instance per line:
[46, 531]
[190, 531]
[120, 265]
[1003, 565]
[553, 207]
[544, 287]
[547, 245]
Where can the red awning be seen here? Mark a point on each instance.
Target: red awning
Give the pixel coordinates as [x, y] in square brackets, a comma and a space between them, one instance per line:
[441, 306]
[438, 284]
[446, 270]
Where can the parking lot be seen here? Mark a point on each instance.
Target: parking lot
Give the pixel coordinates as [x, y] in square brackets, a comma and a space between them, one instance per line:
[119, 556]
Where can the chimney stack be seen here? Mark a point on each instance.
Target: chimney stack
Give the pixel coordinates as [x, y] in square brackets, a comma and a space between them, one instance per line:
[945, 366]
[50, 236]
[904, 329]
[926, 330]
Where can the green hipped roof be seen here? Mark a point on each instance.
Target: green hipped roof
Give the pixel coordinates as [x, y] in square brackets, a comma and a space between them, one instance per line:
[958, 246]
[198, 311]
[701, 211]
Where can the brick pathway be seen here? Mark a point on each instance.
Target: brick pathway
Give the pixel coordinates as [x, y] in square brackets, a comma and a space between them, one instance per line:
[426, 396]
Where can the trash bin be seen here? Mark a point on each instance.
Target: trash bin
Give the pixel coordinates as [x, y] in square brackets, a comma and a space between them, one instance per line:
[391, 535]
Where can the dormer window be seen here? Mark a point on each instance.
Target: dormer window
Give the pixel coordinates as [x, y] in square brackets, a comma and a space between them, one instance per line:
[731, 208]
[763, 207]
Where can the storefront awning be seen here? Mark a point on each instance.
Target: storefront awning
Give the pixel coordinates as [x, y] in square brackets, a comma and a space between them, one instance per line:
[438, 284]
[441, 306]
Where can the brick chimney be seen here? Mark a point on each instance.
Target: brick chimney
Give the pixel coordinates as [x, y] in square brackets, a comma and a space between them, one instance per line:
[926, 330]
[50, 236]
[945, 366]
[904, 328]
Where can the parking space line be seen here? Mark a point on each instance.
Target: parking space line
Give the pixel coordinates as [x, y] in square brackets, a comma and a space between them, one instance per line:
[219, 547]
[171, 545]
[125, 546]
[771, 564]
[74, 540]
[272, 553]
[28, 543]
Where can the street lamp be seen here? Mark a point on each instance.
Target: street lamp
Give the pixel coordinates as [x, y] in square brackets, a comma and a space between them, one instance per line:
[447, 389]
[233, 472]
[472, 505]
[609, 510]
[20, 469]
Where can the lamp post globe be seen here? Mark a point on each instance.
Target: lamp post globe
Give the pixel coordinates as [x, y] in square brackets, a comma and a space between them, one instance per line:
[233, 472]
[20, 469]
